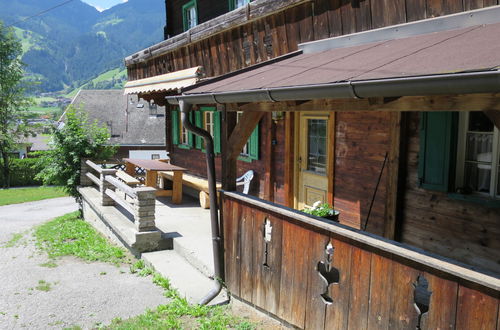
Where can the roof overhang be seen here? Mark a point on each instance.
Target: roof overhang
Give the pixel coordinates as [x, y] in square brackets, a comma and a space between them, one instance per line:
[173, 81]
[456, 54]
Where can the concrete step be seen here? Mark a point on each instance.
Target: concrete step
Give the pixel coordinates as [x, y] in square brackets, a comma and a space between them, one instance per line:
[191, 283]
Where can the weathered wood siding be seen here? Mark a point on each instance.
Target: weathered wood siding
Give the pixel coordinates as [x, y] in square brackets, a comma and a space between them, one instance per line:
[361, 143]
[368, 288]
[461, 230]
[265, 169]
[280, 33]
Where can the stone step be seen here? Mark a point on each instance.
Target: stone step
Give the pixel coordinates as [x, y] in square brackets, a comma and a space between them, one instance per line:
[190, 283]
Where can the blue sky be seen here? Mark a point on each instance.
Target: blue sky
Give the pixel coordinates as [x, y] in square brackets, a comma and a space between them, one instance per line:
[103, 4]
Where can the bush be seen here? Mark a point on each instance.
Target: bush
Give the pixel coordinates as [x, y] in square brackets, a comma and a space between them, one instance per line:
[23, 172]
[78, 138]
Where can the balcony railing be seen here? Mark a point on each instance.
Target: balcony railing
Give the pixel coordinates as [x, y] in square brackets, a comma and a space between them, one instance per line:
[318, 275]
[138, 201]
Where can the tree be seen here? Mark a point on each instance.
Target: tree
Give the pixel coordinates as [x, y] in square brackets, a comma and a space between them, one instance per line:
[13, 100]
[76, 139]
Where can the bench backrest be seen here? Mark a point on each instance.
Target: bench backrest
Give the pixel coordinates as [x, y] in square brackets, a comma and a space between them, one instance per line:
[245, 180]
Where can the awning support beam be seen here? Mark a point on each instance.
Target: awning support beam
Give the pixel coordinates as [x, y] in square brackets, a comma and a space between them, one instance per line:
[463, 102]
[494, 116]
[242, 132]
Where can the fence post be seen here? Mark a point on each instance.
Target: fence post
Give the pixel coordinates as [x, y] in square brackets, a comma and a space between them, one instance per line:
[84, 169]
[145, 209]
[105, 199]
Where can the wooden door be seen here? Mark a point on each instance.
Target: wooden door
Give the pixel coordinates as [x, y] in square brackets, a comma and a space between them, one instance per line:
[313, 158]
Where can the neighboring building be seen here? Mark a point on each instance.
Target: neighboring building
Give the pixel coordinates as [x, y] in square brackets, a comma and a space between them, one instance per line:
[398, 128]
[135, 125]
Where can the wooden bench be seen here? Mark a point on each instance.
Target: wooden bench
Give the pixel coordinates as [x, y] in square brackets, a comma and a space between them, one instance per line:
[195, 182]
[127, 179]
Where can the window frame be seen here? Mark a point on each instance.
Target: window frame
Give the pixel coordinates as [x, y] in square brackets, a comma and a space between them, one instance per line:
[463, 130]
[232, 4]
[252, 144]
[450, 156]
[185, 9]
[178, 131]
[200, 122]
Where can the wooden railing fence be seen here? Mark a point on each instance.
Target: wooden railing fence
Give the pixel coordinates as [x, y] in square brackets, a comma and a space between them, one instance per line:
[138, 201]
[317, 275]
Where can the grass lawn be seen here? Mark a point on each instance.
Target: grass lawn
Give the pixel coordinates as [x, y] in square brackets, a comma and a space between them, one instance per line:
[70, 235]
[21, 195]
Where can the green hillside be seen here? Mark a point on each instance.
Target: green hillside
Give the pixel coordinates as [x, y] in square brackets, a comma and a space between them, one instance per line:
[73, 44]
[112, 79]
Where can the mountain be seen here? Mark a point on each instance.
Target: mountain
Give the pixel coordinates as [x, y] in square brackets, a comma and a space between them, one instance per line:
[71, 44]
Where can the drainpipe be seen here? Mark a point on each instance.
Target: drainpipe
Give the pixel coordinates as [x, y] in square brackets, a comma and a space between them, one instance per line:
[214, 219]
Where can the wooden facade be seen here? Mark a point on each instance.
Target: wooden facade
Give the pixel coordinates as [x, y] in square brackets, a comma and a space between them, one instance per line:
[373, 182]
[357, 283]
[242, 39]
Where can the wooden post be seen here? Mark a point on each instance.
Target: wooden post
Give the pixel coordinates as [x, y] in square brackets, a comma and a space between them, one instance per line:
[394, 174]
[105, 199]
[268, 153]
[228, 175]
[177, 188]
[289, 158]
[84, 169]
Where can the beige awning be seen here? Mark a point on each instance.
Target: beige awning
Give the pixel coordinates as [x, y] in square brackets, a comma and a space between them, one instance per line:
[165, 82]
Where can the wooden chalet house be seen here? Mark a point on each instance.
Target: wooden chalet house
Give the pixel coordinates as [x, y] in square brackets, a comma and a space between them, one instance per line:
[390, 110]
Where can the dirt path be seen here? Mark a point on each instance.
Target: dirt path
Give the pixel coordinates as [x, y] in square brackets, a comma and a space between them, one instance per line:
[34, 295]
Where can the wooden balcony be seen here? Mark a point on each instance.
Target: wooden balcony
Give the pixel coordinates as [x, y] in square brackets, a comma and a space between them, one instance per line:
[318, 275]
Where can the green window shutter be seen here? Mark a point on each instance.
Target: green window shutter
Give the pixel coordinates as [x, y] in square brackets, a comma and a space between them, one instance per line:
[436, 129]
[231, 5]
[191, 135]
[217, 132]
[253, 144]
[175, 127]
[198, 119]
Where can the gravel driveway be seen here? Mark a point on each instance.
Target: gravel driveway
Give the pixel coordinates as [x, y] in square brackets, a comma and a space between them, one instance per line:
[75, 293]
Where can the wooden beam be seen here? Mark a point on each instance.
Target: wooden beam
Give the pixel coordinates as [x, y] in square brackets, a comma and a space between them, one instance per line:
[394, 170]
[254, 11]
[331, 158]
[465, 102]
[242, 132]
[289, 159]
[494, 116]
[228, 173]
[268, 156]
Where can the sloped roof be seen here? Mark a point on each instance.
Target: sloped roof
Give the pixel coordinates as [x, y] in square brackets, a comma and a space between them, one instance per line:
[462, 50]
[129, 119]
[456, 54]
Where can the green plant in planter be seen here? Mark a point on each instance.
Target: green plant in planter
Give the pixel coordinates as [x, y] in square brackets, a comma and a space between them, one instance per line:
[323, 210]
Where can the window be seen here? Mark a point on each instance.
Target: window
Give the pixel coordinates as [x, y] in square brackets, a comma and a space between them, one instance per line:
[112, 132]
[460, 154]
[190, 15]
[234, 4]
[153, 110]
[155, 156]
[316, 148]
[180, 135]
[208, 119]
[250, 150]
[478, 168]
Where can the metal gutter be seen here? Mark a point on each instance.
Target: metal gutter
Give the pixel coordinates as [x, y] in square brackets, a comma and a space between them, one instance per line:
[454, 83]
[185, 108]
